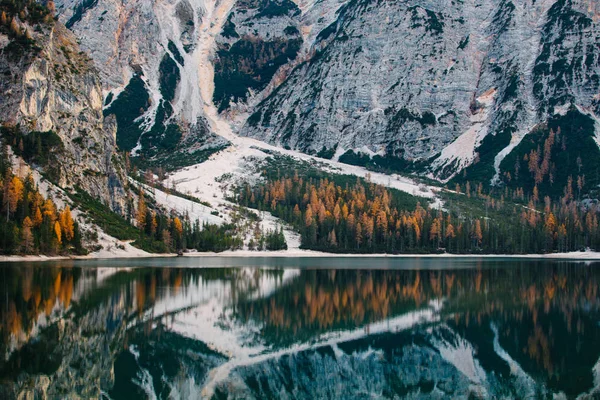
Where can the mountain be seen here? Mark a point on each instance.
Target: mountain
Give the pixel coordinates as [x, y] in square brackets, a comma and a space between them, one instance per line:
[431, 87]
[51, 108]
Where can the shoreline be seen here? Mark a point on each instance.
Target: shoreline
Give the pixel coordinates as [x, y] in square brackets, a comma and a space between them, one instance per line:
[572, 256]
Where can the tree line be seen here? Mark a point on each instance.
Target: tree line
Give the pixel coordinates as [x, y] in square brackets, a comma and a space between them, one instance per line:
[363, 217]
[170, 232]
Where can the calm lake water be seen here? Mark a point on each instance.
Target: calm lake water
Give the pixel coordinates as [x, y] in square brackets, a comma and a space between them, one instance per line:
[300, 328]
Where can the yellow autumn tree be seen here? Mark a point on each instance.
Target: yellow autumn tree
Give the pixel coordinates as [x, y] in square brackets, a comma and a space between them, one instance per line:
[37, 217]
[435, 233]
[57, 233]
[550, 223]
[66, 223]
[477, 234]
[141, 211]
[308, 216]
[450, 233]
[15, 193]
[177, 226]
[49, 209]
[14, 27]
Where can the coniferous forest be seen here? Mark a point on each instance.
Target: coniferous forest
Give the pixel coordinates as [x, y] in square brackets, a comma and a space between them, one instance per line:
[31, 223]
[345, 214]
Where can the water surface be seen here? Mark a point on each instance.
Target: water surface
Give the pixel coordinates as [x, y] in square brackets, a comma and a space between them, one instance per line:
[300, 328]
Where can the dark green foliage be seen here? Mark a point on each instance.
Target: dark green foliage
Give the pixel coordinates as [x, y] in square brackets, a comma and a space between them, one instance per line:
[327, 32]
[504, 16]
[110, 222]
[482, 169]
[250, 63]
[388, 163]
[229, 28]
[160, 137]
[169, 77]
[164, 136]
[275, 240]
[271, 8]
[326, 153]
[464, 43]
[130, 104]
[212, 238]
[352, 158]
[574, 153]
[404, 115]
[43, 149]
[291, 31]
[254, 119]
[432, 21]
[109, 98]
[178, 158]
[79, 11]
[512, 89]
[173, 49]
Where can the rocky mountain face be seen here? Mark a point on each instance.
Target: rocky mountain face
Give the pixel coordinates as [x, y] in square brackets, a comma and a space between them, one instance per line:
[50, 87]
[435, 81]
[153, 61]
[433, 86]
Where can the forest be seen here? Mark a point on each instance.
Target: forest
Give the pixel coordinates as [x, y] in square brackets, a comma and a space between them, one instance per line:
[350, 215]
[31, 223]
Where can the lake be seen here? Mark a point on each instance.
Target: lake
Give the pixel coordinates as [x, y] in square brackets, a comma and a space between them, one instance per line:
[300, 328]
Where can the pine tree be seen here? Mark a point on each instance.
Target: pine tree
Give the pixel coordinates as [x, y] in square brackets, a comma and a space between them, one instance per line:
[332, 238]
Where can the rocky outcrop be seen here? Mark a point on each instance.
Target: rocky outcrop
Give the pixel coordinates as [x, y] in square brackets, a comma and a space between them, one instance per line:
[423, 80]
[50, 86]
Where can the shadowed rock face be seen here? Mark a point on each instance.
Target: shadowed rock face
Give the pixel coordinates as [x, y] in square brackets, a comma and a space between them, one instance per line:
[514, 329]
[53, 86]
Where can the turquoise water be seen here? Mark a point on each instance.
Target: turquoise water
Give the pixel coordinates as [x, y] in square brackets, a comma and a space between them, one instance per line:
[300, 328]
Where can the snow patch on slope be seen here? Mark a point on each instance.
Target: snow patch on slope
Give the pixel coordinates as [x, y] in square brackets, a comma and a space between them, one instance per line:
[181, 206]
[461, 152]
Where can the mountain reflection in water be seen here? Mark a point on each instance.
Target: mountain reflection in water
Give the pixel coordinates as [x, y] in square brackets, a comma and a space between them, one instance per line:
[486, 329]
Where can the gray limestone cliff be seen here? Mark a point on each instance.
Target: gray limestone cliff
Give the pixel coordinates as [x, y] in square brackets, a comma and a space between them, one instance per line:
[430, 81]
[51, 87]
[432, 86]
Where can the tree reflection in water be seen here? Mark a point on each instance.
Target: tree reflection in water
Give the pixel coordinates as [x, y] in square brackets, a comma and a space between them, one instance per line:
[250, 331]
